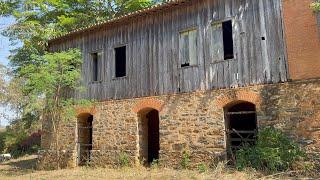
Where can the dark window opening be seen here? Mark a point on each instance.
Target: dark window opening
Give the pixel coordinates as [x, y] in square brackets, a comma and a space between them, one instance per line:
[227, 40]
[185, 65]
[120, 61]
[84, 139]
[263, 38]
[241, 127]
[94, 66]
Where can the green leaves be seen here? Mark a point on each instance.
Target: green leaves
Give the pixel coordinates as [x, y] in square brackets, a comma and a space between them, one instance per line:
[316, 6]
[273, 152]
[51, 70]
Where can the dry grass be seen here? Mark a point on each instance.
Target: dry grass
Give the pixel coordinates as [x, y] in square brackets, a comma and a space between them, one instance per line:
[23, 168]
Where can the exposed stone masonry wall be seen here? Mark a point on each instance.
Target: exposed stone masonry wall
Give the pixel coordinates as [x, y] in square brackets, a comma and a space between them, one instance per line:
[195, 122]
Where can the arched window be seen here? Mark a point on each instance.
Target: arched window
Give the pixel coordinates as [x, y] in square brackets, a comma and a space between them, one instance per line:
[149, 144]
[84, 144]
[241, 126]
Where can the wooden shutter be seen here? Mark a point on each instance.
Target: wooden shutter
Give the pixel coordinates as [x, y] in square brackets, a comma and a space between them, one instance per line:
[216, 42]
[99, 59]
[193, 47]
[188, 47]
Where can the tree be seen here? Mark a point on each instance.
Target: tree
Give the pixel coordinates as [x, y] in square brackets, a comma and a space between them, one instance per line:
[47, 80]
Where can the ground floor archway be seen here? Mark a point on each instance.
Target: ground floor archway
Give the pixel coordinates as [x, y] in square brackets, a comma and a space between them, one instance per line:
[84, 140]
[241, 126]
[149, 139]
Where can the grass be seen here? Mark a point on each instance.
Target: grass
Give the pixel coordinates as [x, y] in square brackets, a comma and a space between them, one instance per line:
[24, 168]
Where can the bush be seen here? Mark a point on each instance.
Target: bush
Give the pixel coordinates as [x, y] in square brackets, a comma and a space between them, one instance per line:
[155, 164]
[273, 152]
[202, 168]
[185, 161]
[123, 160]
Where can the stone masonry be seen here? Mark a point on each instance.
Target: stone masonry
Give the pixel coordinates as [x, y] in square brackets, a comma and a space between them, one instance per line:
[193, 122]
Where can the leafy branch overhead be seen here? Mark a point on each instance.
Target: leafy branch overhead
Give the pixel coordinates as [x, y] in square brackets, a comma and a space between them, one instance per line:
[316, 6]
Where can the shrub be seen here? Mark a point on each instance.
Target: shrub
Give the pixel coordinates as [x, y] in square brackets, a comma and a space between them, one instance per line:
[202, 168]
[123, 159]
[185, 161]
[154, 164]
[273, 151]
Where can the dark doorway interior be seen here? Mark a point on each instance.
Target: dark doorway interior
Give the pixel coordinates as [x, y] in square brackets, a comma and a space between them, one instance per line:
[241, 123]
[84, 139]
[153, 135]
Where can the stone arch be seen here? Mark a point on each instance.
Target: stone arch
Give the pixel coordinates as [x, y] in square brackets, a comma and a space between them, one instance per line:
[240, 96]
[148, 104]
[148, 135]
[240, 126]
[85, 110]
[84, 137]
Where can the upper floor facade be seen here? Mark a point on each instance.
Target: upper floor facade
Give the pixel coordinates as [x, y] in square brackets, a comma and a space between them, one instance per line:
[192, 45]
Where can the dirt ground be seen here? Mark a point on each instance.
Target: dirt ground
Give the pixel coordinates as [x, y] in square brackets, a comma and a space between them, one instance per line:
[24, 168]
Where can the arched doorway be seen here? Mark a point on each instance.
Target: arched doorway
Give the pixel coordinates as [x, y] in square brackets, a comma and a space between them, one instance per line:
[241, 126]
[84, 143]
[149, 143]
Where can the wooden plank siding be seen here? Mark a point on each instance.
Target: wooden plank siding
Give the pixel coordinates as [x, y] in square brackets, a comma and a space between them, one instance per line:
[152, 50]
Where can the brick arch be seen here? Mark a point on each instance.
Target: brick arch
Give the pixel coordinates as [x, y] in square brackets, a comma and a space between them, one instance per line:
[148, 103]
[247, 96]
[86, 110]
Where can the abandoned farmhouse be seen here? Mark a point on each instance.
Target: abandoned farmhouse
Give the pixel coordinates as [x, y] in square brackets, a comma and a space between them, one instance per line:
[201, 76]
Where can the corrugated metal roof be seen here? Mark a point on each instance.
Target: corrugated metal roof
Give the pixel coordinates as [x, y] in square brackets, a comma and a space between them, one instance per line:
[152, 9]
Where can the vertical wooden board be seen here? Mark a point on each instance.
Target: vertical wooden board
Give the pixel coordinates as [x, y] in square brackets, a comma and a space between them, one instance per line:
[226, 74]
[175, 52]
[284, 63]
[220, 75]
[272, 46]
[227, 7]
[213, 76]
[233, 74]
[201, 18]
[252, 39]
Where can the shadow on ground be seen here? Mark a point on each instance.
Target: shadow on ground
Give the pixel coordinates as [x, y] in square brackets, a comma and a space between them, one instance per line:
[21, 166]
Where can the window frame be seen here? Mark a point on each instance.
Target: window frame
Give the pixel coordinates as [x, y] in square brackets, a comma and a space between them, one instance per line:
[216, 22]
[99, 69]
[193, 28]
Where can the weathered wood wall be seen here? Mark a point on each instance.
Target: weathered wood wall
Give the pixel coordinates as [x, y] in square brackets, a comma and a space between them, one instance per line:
[153, 65]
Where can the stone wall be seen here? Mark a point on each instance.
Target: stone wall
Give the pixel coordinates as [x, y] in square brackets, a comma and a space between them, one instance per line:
[194, 122]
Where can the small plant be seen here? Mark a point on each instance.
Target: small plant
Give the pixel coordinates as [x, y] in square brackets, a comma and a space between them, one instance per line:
[202, 168]
[142, 161]
[154, 164]
[273, 151]
[123, 159]
[185, 161]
